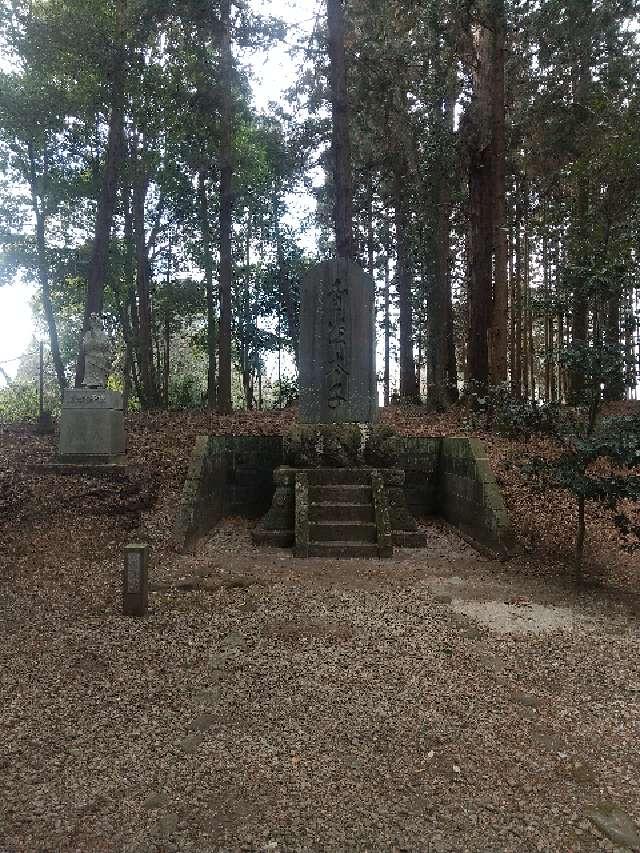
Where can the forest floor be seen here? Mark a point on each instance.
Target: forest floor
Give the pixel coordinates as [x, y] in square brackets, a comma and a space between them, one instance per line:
[440, 701]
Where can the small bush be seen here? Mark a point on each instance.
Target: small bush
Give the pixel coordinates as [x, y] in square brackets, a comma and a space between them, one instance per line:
[185, 392]
[521, 419]
[495, 409]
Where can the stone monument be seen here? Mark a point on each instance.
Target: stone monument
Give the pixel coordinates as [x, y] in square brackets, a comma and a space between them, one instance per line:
[92, 419]
[338, 382]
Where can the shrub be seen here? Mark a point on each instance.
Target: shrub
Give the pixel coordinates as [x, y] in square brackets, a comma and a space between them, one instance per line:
[496, 409]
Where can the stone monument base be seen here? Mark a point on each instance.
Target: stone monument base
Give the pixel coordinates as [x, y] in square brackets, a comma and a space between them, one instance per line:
[348, 512]
[91, 428]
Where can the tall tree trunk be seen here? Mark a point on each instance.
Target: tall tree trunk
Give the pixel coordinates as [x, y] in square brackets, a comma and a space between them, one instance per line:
[481, 213]
[121, 293]
[369, 226]
[527, 278]
[167, 328]
[480, 267]
[555, 345]
[614, 384]
[418, 326]
[581, 74]
[526, 292]
[166, 360]
[500, 302]
[562, 324]
[341, 143]
[285, 294]
[441, 366]
[444, 230]
[548, 329]
[107, 199]
[247, 372]
[516, 307]
[452, 363]
[579, 307]
[43, 271]
[562, 385]
[387, 313]
[438, 315]
[207, 260]
[145, 331]
[512, 313]
[226, 208]
[488, 294]
[404, 285]
[130, 323]
[158, 362]
[629, 342]
[532, 356]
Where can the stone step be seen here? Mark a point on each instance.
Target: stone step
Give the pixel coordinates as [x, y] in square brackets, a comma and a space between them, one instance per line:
[340, 477]
[274, 538]
[410, 539]
[342, 531]
[328, 511]
[341, 494]
[342, 550]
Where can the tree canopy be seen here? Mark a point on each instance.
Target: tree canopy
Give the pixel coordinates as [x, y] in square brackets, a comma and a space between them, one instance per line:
[480, 160]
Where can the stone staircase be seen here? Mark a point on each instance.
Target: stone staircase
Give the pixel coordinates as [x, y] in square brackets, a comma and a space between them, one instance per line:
[337, 515]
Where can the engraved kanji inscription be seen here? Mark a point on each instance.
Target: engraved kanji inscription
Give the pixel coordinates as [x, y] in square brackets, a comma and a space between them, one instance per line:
[134, 572]
[338, 344]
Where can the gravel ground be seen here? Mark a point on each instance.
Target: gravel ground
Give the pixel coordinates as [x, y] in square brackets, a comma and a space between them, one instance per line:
[269, 703]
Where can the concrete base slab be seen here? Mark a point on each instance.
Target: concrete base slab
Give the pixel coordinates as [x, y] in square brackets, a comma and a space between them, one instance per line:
[88, 465]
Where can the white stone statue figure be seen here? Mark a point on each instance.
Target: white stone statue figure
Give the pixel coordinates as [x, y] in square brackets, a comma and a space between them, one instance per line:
[97, 355]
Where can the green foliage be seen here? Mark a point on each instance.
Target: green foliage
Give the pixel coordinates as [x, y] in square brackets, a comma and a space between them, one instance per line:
[20, 402]
[498, 410]
[186, 392]
[600, 457]
[598, 365]
[579, 470]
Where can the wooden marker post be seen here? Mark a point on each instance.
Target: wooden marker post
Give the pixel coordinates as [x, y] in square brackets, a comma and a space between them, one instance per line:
[135, 580]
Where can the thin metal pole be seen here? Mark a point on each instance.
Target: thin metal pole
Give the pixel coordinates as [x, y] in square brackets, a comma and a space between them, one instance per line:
[41, 379]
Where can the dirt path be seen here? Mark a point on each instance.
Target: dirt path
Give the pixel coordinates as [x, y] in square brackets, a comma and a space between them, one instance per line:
[269, 703]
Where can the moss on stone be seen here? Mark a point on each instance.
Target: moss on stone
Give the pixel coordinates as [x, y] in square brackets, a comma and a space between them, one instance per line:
[323, 446]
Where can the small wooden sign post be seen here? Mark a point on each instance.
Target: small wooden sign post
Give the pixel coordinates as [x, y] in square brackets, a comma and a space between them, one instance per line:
[135, 580]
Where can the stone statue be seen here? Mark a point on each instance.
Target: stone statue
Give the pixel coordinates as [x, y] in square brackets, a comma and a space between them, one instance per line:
[97, 355]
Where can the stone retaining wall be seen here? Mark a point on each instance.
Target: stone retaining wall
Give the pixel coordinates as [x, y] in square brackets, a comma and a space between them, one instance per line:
[202, 505]
[228, 475]
[469, 496]
[419, 459]
[234, 475]
[251, 461]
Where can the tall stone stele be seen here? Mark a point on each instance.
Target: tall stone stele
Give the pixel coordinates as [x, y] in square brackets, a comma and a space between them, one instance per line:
[337, 356]
[92, 420]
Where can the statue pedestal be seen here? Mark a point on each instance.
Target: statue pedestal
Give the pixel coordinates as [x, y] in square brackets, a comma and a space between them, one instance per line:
[91, 427]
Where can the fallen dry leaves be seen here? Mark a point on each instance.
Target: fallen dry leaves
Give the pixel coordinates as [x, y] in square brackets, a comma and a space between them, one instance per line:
[274, 704]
